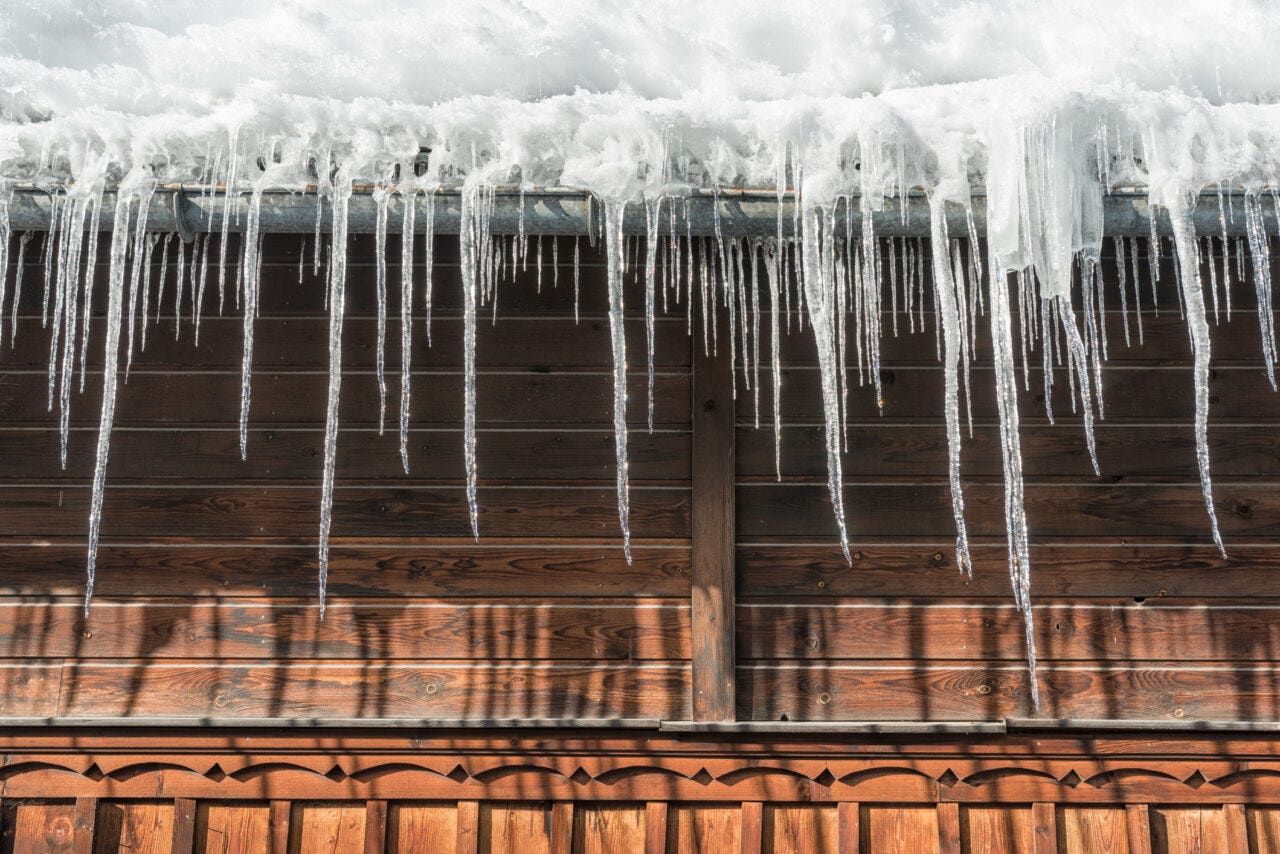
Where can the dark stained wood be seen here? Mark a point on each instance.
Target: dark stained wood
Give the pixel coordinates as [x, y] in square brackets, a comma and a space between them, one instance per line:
[1098, 569]
[909, 452]
[1135, 511]
[393, 568]
[184, 826]
[282, 399]
[600, 629]
[1131, 393]
[293, 456]
[290, 512]
[713, 517]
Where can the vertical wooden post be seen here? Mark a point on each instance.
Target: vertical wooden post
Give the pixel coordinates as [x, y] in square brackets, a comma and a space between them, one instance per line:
[1139, 825]
[85, 825]
[278, 820]
[655, 828]
[848, 832]
[948, 828]
[751, 834]
[562, 827]
[713, 678]
[184, 826]
[375, 827]
[1236, 820]
[1044, 828]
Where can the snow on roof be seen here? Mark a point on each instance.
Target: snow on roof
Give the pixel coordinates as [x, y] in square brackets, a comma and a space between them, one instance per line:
[1045, 107]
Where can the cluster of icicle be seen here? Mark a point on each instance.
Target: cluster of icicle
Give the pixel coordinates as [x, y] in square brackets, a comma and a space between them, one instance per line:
[823, 273]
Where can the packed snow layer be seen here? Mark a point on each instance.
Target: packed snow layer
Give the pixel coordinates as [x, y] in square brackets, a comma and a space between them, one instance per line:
[1044, 108]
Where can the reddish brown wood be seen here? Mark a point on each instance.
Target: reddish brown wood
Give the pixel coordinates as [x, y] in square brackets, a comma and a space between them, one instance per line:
[375, 827]
[1044, 829]
[551, 629]
[655, 827]
[1237, 829]
[1138, 823]
[948, 828]
[468, 838]
[86, 820]
[713, 678]
[849, 834]
[279, 824]
[184, 826]
[562, 827]
[751, 835]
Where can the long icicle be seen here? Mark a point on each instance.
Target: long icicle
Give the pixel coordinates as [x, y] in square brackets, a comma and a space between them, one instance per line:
[110, 370]
[337, 286]
[944, 288]
[1015, 516]
[249, 283]
[410, 200]
[820, 302]
[471, 203]
[614, 211]
[1184, 239]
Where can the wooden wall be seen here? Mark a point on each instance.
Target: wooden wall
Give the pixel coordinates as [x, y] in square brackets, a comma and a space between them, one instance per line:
[737, 606]
[206, 596]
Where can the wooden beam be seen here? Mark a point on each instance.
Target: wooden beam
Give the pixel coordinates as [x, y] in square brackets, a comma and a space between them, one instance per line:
[85, 824]
[1234, 817]
[1044, 828]
[655, 827]
[468, 837]
[1139, 826]
[278, 821]
[184, 826]
[949, 828]
[751, 834]
[562, 827]
[848, 833]
[713, 681]
[375, 827]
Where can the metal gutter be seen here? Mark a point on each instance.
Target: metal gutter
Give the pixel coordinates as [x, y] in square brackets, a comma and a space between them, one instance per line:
[188, 210]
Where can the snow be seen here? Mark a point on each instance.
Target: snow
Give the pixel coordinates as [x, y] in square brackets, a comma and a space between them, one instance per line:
[847, 106]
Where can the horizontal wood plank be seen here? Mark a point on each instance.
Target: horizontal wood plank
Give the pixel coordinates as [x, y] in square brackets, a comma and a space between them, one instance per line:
[632, 629]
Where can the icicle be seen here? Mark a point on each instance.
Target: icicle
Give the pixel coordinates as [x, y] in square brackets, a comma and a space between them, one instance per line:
[147, 257]
[1137, 290]
[774, 269]
[89, 270]
[614, 212]
[428, 259]
[6, 238]
[819, 290]
[1260, 252]
[23, 240]
[380, 199]
[1119, 245]
[234, 152]
[652, 211]
[410, 201]
[135, 277]
[110, 369]
[471, 212]
[575, 280]
[1015, 517]
[50, 240]
[249, 276]
[180, 279]
[1198, 329]
[337, 285]
[1080, 360]
[945, 290]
